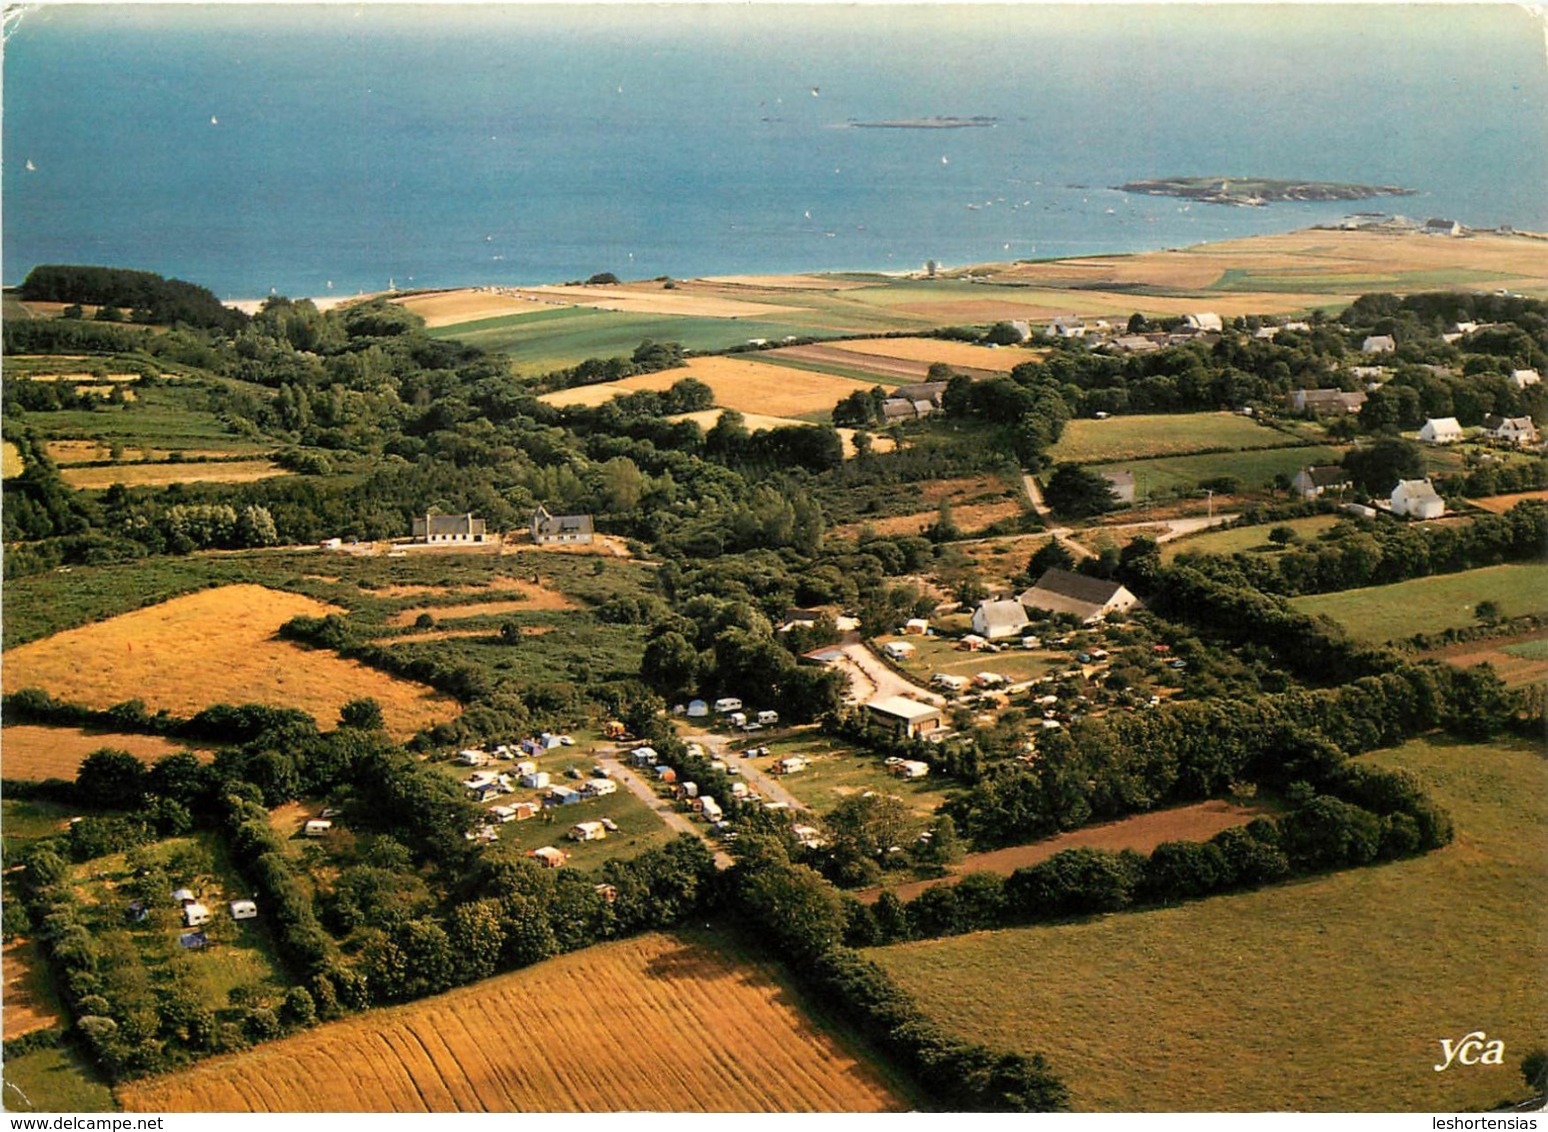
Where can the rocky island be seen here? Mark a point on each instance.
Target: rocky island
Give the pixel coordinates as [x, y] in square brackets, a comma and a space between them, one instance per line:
[1258, 191]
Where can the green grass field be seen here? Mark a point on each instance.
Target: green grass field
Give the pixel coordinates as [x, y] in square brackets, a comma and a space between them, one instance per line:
[1160, 434]
[1299, 282]
[167, 416]
[1529, 650]
[1330, 994]
[1254, 470]
[839, 771]
[1239, 540]
[53, 1080]
[550, 340]
[1430, 605]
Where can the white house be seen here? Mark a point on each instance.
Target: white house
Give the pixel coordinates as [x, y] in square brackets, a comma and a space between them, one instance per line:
[1090, 599]
[1203, 321]
[1417, 499]
[998, 619]
[1441, 430]
[1378, 344]
[1510, 430]
[450, 528]
[549, 530]
[1521, 378]
[898, 650]
[1311, 481]
[243, 910]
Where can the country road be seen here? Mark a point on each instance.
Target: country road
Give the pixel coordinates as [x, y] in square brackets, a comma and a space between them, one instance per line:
[662, 808]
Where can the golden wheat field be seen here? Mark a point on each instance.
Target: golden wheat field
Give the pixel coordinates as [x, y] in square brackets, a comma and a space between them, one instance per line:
[650, 298]
[216, 646]
[11, 464]
[747, 386]
[158, 475]
[657, 1023]
[31, 753]
[929, 350]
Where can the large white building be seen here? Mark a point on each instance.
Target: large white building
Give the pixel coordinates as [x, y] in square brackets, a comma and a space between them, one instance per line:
[1417, 499]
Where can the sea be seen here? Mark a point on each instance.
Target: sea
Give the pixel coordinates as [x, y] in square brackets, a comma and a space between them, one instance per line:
[334, 149]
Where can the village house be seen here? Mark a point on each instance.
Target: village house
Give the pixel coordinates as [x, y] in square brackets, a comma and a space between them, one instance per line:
[1311, 481]
[1090, 599]
[1437, 226]
[1323, 402]
[1417, 499]
[903, 716]
[994, 620]
[450, 529]
[1203, 321]
[931, 391]
[1510, 430]
[1067, 326]
[550, 530]
[1378, 344]
[1440, 430]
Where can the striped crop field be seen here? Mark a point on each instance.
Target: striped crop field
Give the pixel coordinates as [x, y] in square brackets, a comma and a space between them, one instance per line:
[657, 1023]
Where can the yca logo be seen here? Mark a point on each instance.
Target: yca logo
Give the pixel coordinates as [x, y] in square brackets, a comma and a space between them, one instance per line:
[1474, 1049]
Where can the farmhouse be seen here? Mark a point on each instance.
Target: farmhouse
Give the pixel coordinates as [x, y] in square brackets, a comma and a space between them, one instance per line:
[1067, 326]
[1438, 226]
[931, 391]
[1204, 321]
[994, 620]
[1417, 499]
[1324, 402]
[1378, 344]
[1441, 430]
[1510, 430]
[1135, 344]
[1311, 481]
[903, 716]
[450, 528]
[903, 409]
[548, 530]
[1090, 599]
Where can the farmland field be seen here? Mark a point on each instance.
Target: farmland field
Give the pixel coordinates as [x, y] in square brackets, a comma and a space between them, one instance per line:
[1499, 504]
[1520, 661]
[929, 350]
[53, 1080]
[1255, 469]
[968, 517]
[159, 475]
[654, 1023]
[11, 463]
[1138, 437]
[1430, 605]
[1237, 540]
[749, 387]
[30, 753]
[1329, 994]
[216, 646]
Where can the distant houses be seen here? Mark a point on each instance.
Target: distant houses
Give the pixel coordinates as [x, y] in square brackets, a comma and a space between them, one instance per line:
[1315, 479]
[557, 530]
[450, 529]
[1090, 599]
[1324, 402]
[1510, 430]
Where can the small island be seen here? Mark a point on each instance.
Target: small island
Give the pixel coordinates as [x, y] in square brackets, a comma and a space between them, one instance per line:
[1258, 191]
[925, 123]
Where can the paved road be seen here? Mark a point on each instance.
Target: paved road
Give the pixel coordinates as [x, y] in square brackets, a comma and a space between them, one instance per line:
[663, 809]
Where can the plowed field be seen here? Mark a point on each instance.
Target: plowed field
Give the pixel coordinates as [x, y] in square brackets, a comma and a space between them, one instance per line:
[217, 646]
[654, 1023]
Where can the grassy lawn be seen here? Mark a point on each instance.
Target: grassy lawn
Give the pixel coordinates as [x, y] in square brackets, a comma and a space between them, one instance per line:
[1160, 434]
[1329, 994]
[168, 416]
[53, 1080]
[1430, 605]
[1253, 470]
[840, 771]
[935, 655]
[1240, 540]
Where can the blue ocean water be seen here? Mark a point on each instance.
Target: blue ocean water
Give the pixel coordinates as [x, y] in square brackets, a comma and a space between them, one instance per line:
[335, 148]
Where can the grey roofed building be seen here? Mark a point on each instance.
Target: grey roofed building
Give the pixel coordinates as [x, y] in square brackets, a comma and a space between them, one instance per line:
[923, 391]
[1319, 401]
[1315, 479]
[548, 529]
[1090, 599]
[450, 528]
